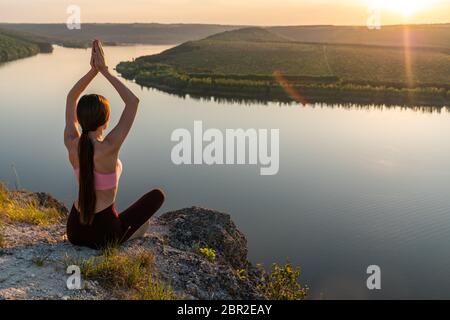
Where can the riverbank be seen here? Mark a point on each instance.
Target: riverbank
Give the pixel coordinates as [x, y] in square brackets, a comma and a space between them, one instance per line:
[283, 90]
[193, 253]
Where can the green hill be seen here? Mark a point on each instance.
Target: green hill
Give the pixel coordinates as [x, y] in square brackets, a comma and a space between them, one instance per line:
[251, 34]
[15, 45]
[13, 48]
[245, 61]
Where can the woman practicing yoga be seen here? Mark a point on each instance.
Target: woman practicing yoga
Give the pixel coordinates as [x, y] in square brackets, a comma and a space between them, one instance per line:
[93, 221]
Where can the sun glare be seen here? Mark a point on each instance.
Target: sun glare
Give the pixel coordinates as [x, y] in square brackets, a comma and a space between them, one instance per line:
[405, 8]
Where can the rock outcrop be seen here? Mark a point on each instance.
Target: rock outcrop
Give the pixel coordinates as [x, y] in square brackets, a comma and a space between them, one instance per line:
[32, 261]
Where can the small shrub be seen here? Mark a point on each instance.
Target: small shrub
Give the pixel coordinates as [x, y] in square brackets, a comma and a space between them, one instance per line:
[242, 274]
[283, 283]
[209, 253]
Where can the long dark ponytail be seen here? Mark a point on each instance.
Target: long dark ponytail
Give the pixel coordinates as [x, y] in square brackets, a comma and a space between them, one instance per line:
[92, 112]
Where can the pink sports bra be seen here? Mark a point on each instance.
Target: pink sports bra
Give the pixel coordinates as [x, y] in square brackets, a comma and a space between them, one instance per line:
[104, 181]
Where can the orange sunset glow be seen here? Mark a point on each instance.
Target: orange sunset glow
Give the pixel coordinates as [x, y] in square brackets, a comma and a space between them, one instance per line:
[250, 12]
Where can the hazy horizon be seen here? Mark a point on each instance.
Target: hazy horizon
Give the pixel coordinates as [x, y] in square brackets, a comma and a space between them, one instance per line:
[222, 24]
[231, 12]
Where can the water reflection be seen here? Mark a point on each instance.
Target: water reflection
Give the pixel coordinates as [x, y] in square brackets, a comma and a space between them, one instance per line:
[431, 107]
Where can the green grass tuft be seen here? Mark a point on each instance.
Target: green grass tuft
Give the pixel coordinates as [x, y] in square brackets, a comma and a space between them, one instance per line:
[40, 260]
[127, 275]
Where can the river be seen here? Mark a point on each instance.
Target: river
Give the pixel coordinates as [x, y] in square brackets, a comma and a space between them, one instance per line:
[357, 186]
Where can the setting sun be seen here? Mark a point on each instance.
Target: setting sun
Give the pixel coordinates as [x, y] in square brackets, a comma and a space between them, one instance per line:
[404, 7]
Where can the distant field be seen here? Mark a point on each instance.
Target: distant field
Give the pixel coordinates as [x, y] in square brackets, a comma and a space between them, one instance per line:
[423, 36]
[110, 33]
[247, 59]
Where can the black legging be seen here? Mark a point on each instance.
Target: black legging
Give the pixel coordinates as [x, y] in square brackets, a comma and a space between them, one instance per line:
[110, 227]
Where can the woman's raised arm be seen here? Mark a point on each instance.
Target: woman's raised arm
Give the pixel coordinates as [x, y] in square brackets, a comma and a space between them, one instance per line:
[117, 136]
[71, 131]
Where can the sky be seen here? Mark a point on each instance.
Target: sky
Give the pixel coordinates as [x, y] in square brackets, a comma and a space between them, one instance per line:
[238, 12]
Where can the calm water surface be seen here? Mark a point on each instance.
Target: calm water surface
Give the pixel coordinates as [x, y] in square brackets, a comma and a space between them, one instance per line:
[356, 186]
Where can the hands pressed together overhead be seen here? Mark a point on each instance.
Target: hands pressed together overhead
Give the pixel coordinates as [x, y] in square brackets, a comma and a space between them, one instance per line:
[98, 60]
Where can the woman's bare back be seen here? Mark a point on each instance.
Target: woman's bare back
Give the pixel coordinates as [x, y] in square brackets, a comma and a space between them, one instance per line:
[105, 162]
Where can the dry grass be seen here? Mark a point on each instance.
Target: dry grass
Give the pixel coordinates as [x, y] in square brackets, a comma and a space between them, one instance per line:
[3, 194]
[127, 275]
[40, 260]
[13, 211]
[2, 237]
